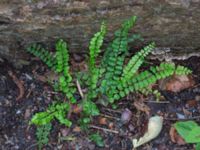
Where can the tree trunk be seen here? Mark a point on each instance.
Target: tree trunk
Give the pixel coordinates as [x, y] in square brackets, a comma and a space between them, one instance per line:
[173, 24]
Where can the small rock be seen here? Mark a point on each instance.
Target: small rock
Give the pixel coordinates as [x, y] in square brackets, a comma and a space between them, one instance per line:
[197, 98]
[28, 76]
[180, 116]
[18, 112]
[64, 131]
[111, 125]
[27, 114]
[126, 116]
[10, 96]
[131, 127]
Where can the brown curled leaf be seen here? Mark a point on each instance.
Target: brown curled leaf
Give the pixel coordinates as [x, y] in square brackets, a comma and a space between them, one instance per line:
[19, 85]
[175, 137]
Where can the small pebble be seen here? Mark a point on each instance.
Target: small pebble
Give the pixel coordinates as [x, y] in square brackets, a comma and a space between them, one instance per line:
[131, 127]
[10, 97]
[27, 114]
[180, 116]
[28, 76]
[197, 98]
[18, 112]
[64, 131]
[126, 116]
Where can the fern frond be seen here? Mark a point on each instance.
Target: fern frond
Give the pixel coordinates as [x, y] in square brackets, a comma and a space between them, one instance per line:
[43, 54]
[146, 91]
[57, 111]
[144, 79]
[136, 61]
[114, 56]
[62, 67]
[119, 46]
[95, 45]
[62, 57]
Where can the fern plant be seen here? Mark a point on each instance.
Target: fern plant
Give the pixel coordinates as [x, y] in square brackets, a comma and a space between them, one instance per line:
[107, 82]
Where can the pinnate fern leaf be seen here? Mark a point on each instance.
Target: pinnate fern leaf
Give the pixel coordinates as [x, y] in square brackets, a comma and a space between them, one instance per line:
[142, 80]
[136, 61]
[114, 56]
[95, 45]
[43, 54]
[62, 57]
[57, 111]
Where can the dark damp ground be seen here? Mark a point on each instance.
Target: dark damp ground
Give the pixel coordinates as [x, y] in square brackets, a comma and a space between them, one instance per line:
[16, 133]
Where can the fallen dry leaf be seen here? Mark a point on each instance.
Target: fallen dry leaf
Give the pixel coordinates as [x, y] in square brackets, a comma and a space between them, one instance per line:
[102, 120]
[191, 103]
[76, 109]
[111, 125]
[64, 131]
[19, 84]
[155, 125]
[76, 129]
[176, 83]
[175, 137]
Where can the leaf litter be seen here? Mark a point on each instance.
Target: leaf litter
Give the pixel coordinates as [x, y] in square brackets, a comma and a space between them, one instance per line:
[117, 133]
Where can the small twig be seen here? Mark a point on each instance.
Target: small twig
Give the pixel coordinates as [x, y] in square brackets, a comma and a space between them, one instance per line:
[52, 92]
[107, 116]
[29, 92]
[19, 85]
[111, 110]
[70, 111]
[35, 144]
[162, 102]
[104, 129]
[196, 85]
[175, 119]
[79, 89]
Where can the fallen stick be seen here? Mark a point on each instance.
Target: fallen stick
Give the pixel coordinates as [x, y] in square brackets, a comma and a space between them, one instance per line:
[79, 89]
[104, 129]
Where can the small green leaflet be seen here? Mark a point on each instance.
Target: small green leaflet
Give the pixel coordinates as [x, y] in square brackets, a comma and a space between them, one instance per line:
[194, 135]
[97, 139]
[189, 130]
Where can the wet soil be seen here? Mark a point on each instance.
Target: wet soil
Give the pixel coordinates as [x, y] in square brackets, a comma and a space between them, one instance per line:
[15, 114]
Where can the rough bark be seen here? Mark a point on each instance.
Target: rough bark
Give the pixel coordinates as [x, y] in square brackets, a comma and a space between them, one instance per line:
[173, 24]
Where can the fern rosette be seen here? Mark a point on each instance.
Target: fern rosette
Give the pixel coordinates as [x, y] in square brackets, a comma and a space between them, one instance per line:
[107, 82]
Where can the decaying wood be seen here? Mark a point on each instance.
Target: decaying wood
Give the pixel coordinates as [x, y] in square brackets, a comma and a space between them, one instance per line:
[172, 24]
